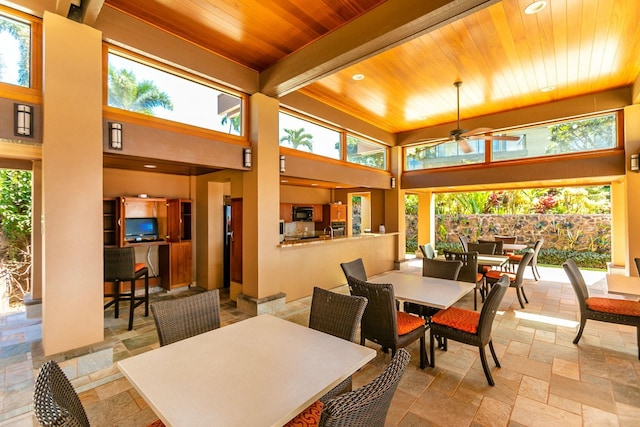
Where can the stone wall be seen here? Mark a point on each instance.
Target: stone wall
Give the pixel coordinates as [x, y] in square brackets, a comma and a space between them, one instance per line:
[563, 232]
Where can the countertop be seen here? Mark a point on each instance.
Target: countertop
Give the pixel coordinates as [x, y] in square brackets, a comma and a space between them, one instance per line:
[304, 241]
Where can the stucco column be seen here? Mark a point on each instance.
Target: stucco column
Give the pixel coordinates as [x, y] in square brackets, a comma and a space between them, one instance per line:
[261, 212]
[632, 146]
[426, 219]
[394, 206]
[72, 313]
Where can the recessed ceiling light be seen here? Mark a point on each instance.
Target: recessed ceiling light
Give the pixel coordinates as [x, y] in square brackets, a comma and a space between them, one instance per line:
[548, 89]
[338, 186]
[358, 76]
[284, 180]
[150, 166]
[314, 185]
[535, 7]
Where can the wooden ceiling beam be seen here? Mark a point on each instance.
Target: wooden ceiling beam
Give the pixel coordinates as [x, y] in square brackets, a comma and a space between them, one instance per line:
[388, 25]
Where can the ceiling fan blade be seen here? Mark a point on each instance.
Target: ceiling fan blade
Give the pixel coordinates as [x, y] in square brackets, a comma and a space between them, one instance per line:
[464, 146]
[477, 131]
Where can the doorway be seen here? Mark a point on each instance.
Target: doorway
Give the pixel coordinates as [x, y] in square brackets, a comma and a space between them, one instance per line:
[360, 207]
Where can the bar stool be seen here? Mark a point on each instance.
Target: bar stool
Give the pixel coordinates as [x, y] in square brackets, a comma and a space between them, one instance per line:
[120, 266]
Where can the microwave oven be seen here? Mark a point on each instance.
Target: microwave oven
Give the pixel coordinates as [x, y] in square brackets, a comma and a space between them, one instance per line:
[302, 213]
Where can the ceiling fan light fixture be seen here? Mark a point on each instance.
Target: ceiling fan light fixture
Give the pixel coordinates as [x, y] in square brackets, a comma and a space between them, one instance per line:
[358, 77]
[535, 7]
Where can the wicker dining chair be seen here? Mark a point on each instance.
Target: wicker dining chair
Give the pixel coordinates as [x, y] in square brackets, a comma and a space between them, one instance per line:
[470, 327]
[338, 315]
[427, 251]
[355, 269]
[120, 266]
[498, 250]
[637, 261]
[438, 268]
[55, 402]
[485, 248]
[383, 324]
[180, 318]
[365, 407]
[469, 272]
[515, 280]
[464, 242]
[517, 259]
[620, 311]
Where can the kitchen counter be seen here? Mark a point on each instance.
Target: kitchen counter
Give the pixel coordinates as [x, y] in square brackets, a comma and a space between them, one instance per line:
[321, 239]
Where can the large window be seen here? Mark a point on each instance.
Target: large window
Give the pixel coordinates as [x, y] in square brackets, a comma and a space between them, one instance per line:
[574, 136]
[140, 88]
[589, 134]
[15, 52]
[445, 154]
[308, 136]
[366, 153]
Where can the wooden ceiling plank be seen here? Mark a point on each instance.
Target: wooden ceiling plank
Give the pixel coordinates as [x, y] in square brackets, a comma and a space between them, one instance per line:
[382, 28]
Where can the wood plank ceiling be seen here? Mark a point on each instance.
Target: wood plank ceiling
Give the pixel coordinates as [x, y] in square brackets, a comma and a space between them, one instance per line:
[504, 57]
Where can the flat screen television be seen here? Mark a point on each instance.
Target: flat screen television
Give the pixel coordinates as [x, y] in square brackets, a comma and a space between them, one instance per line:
[141, 229]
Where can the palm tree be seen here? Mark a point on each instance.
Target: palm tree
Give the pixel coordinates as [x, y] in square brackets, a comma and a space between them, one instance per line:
[127, 93]
[297, 137]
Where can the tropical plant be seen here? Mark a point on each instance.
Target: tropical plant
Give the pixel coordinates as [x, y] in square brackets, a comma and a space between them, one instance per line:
[127, 93]
[22, 33]
[297, 138]
[233, 121]
[589, 134]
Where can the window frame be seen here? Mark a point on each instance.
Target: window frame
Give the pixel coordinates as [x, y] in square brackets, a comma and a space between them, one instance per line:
[488, 162]
[157, 122]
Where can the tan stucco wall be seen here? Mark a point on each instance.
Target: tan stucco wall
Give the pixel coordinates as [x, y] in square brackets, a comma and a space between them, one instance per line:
[632, 145]
[72, 314]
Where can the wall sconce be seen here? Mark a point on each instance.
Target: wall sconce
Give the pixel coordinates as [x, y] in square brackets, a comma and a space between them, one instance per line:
[246, 157]
[282, 163]
[634, 163]
[393, 182]
[115, 136]
[23, 120]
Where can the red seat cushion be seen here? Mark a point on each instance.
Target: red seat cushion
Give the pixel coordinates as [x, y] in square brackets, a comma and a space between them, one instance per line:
[496, 274]
[139, 266]
[485, 268]
[408, 322]
[479, 277]
[458, 318]
[156, 423]
[515, 257]
[308, 417]
[614, 306]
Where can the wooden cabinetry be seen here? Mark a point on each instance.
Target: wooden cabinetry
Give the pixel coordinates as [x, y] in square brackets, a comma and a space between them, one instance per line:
[286, 212]
[337, 212]
[175, 228]
[317, 213]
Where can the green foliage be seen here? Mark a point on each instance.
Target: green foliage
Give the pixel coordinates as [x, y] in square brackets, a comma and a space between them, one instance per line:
[15, 210]
[411, 204]
[590, 134]
[583, 259]
[22, 33]
[233, 121]
[127, 93]
[576, 200]
[298, 137]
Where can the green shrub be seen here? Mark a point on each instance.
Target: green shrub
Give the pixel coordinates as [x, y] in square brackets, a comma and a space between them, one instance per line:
[583, 259]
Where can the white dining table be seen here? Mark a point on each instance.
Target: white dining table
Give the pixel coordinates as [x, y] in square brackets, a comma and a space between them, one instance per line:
[262, 371]
[429, 291]
[513, 247]
[623, 285]
[491, 260]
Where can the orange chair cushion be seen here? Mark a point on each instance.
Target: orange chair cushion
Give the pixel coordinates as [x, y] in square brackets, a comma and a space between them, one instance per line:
[515, 257]
[139, 266]
[458, 318]
[496, 274]
[308, 417]
[479, 277]
[614, 306]
[156, 423]
[486, 268]
[408, 322]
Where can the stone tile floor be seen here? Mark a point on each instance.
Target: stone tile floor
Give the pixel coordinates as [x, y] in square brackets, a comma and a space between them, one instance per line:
[544, 379]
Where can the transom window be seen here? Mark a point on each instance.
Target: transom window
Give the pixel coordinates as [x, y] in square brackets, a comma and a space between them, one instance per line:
[567, 137]
[15, 51]
[140, 88]
[305, 135]
[367, 153]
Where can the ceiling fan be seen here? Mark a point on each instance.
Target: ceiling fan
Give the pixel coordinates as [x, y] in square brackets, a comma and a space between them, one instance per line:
[462, 135]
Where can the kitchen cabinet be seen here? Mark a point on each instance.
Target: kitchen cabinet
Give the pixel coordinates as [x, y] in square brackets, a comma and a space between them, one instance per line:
[176, 264]
[286, 212]
[317, 213]
[337, 212]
